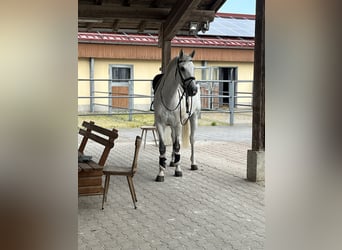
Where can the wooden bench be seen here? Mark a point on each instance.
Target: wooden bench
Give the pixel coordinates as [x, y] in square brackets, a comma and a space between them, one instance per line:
[89, 172]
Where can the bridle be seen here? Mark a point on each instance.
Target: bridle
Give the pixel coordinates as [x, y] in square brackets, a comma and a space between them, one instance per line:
[185, 81]
[186, 90]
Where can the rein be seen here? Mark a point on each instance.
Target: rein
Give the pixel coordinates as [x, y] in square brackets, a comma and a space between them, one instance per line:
[162, 100]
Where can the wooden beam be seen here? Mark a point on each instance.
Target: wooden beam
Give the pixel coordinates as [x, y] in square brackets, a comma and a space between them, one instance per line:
[194, 15]
[126, 3]
[142, 26]
[155, 3]
[217, 4]
[160, 37]
[122, 12]
[118, 12]
[201, 15]
[98, 2]
[166, 54]
[177, 17]
[89, 26]
[115, 26]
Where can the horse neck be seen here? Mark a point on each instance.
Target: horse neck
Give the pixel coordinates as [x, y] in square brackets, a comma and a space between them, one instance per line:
[171, 83]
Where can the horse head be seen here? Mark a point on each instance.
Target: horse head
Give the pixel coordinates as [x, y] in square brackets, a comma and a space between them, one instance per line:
[185, 69]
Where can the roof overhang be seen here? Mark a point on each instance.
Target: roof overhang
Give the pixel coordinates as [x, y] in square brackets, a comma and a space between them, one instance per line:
[167, 18]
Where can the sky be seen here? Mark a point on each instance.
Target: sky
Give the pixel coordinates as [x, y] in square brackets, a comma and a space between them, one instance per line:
[238, 6]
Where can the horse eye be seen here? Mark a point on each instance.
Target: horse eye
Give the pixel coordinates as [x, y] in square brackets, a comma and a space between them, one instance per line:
[182, 68]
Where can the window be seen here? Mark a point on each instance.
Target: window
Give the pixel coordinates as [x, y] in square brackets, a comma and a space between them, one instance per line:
[121, 74]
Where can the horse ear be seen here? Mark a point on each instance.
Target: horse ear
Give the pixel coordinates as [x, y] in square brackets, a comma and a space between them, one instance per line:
[192, 54]
[181, 53]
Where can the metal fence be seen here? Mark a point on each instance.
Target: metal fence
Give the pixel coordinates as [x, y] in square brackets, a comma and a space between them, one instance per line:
[134, 96]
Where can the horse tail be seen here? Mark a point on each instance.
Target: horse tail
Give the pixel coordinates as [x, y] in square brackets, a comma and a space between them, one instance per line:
[186, 135]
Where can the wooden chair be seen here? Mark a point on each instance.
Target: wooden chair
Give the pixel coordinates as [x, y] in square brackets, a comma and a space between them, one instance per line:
[124, 171]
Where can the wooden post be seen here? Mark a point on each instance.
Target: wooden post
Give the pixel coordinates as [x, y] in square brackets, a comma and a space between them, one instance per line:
[166, 54]
[166, 48]
[255, 157]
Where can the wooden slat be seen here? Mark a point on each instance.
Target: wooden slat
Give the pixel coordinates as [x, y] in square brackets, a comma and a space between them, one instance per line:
[90, 181]
[99, 139]
[95, 190]
[85, 174]
[90, 166]
[110, 133]
[95, 166]
[85, 167]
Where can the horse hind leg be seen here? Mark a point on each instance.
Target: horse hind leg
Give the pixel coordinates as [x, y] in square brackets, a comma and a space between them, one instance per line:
[194, 166]
[193, 123]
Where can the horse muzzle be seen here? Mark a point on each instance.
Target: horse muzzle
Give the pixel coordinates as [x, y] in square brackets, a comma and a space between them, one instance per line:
[191, 88]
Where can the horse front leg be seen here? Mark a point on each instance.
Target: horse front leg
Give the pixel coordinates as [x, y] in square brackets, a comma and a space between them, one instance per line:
[176, 152]
[162, 158]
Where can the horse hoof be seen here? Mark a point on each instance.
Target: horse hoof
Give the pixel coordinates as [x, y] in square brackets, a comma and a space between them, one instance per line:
[178, 173]
[172, 164]
[160, 179]
[194, 167]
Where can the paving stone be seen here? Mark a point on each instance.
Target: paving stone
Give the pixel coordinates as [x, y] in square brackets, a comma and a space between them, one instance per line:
[212, 208]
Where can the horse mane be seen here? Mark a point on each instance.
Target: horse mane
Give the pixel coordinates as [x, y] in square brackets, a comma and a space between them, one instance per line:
[175, 60]
[171, 64]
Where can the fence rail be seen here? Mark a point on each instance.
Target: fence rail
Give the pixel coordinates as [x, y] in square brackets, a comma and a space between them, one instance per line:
[134, 96]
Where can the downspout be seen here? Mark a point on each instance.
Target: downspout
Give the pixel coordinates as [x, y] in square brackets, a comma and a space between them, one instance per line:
[91, 77]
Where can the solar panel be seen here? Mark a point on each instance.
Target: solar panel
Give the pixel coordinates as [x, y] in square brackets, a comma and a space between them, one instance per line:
[230, 27]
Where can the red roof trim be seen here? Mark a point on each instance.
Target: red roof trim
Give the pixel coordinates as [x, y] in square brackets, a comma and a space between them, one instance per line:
[117, 38]
[236, 16]
[153, 40]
